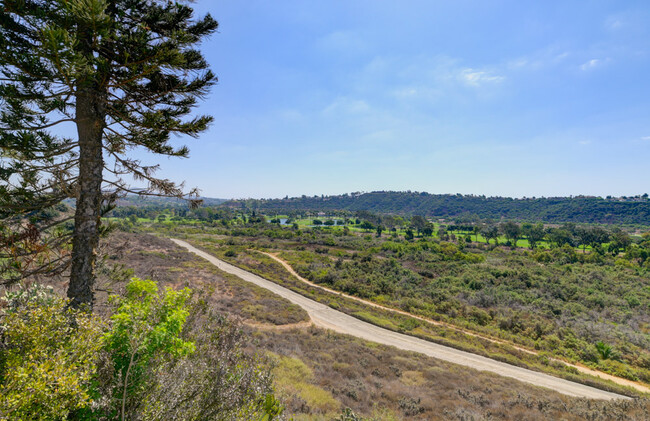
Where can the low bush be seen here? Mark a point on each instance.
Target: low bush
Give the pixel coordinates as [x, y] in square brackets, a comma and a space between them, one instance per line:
[160, 356]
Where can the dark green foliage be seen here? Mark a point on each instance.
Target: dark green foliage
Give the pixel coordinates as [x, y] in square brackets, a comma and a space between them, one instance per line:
[512, 231]
[580, 209]
[490, 232]
[533, 233]
[605, 351]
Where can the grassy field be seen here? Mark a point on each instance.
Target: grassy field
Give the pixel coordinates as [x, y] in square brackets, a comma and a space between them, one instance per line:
[309, 223]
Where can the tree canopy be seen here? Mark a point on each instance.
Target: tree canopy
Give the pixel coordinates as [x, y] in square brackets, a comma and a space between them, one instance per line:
[83, 84]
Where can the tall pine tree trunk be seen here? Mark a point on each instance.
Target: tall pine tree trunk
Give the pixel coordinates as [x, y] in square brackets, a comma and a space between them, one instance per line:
[90, 116]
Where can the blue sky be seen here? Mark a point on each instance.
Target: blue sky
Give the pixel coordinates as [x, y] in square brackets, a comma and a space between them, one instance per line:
[511, 98]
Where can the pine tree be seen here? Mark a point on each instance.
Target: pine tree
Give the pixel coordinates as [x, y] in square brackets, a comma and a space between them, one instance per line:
[84, 82]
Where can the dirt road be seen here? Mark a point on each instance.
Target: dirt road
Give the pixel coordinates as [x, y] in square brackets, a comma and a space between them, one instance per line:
[581, 368]
[329, 318]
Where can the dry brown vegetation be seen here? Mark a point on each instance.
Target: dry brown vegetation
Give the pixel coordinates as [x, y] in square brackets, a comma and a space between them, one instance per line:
[161, 260]
[392, 384]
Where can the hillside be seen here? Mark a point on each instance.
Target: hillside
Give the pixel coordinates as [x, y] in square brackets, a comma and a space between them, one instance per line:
[165, 202]
[580, 209]
[319, 373]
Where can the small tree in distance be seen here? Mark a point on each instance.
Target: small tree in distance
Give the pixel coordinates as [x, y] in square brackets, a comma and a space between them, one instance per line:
[512, 231]
[491, 232]
[120, 75]
[534, 233]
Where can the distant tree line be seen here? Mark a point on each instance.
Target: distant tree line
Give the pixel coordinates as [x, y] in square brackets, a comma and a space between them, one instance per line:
[205, 214]
[581, 209]
[598, 238]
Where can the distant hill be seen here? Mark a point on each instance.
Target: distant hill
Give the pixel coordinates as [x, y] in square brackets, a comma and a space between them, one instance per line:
[140, 201]
[580, 209]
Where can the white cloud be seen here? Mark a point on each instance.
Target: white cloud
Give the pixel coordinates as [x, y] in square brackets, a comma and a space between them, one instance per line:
[593, 63]
[476, 78]
[646, 138]
[585, 142]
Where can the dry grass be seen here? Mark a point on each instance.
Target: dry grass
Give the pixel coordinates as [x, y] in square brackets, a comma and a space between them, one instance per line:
[161, 260]
[295, 384]
[124, 255]
[385, 383]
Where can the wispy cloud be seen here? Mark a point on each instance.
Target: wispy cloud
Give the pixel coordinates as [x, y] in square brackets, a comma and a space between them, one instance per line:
[631, 21]
[423, 80]
[477, 78]
[561, 56]
[646, 138]
[347, 106]
[543, 58]
[593, 63]
[614, 23]
[406, 92]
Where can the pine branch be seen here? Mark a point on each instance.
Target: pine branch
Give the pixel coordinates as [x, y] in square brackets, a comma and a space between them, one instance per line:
[35, 128]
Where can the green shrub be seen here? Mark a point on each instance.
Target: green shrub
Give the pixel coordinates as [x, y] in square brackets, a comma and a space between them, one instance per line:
[48, 355]
[348, 415]
[605, 351]
[145, 325]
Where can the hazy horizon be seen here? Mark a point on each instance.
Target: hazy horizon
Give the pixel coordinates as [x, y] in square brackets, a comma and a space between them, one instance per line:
[412, 191]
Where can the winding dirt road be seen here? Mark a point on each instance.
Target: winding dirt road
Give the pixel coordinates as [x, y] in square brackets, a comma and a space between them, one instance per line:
[581, 368]
[329, 318]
